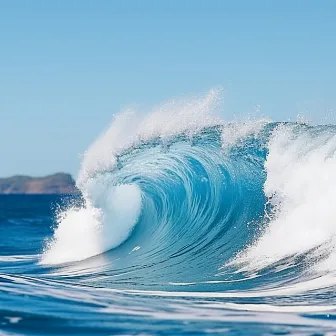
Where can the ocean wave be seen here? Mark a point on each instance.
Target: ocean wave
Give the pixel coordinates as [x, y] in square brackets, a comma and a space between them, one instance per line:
[180, 201]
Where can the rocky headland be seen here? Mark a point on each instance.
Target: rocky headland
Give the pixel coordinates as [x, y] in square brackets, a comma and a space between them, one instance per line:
[59, 183]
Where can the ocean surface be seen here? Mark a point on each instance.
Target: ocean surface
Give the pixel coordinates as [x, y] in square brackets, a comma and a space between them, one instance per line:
[187, 225]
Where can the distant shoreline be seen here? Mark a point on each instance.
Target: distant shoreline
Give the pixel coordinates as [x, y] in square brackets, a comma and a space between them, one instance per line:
[55, 184]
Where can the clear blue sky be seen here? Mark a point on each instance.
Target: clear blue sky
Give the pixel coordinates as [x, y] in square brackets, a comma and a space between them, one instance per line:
[67, 66]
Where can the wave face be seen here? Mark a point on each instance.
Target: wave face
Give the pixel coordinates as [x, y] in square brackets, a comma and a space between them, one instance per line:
[181, 198]
[212, 217]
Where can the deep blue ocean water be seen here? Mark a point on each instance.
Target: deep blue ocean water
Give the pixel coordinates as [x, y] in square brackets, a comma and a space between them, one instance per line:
[227, 230]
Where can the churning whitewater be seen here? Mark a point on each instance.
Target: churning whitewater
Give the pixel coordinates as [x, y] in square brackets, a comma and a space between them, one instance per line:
[186, 224]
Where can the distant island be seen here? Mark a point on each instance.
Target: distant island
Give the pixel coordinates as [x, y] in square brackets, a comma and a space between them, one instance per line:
[59, 183]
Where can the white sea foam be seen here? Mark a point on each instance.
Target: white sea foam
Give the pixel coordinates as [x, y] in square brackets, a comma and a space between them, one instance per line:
[89, 231]
[300, 184]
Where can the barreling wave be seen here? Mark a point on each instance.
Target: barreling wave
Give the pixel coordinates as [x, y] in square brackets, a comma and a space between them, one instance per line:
[182, 198]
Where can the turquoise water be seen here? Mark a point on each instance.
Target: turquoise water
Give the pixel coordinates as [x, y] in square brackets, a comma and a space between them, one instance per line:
[217, 231]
